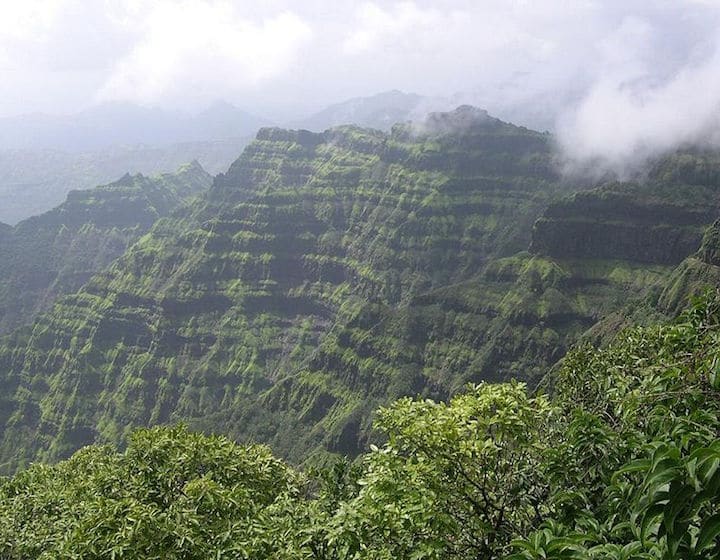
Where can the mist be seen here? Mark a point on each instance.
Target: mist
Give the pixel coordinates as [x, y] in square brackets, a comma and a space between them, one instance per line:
[617, 81]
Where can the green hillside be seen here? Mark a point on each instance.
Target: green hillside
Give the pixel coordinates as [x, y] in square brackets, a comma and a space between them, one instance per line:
[55, 253]
[326, 274]
[234, 295]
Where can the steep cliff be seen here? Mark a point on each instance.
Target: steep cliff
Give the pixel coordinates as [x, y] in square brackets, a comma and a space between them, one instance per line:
[516, 319]
[658, 220]
[598, 261]
[657, 223]
[696, 273]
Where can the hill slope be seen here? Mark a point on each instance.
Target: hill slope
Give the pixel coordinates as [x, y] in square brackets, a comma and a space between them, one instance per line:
[56, 253]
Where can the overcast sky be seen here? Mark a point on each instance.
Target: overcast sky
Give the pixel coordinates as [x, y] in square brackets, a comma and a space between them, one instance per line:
[647, 66]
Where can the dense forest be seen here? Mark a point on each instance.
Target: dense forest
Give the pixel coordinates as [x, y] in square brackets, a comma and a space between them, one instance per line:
[426, 342]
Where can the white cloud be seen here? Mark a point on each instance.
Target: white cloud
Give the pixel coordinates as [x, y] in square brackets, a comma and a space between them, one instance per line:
[622, 121]
[28, 21]
[189, 48]
[446, 27]
[375, 25]
[23, 23]
[641, 103]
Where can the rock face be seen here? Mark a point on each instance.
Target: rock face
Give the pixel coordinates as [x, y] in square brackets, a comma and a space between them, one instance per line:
[658, 223]
[660, 220]
[709, 252]
[696, 273]
[637, 222]
[56, 253]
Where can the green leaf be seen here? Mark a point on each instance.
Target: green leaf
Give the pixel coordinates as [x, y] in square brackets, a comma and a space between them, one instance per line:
[678, 498]
[649, 516]
[665, 471]
[635, 466]
[709, 532]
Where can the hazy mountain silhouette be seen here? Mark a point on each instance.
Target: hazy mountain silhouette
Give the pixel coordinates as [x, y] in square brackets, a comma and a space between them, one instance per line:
[114, 124]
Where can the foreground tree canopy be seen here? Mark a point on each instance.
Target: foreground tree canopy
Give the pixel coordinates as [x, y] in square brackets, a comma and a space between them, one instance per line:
[620, 460]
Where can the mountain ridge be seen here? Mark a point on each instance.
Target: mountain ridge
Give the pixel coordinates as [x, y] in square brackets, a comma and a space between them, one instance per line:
[35, 181]
[227, 298]
[113, 124]
[325, 273]
[380, 111]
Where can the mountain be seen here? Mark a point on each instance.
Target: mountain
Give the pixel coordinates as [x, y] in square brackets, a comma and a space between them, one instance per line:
[234, 298]
[326, 274]
[43, 157]
[33, 181]
[515, 317]
[380, 111]
[46, 256]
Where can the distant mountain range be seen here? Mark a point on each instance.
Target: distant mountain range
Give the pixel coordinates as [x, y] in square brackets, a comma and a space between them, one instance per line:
[43, 157]
[117, 124]
[34, 181]
[378, 111]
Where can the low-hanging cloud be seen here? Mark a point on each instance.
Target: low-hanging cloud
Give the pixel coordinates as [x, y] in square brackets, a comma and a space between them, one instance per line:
[637, 108]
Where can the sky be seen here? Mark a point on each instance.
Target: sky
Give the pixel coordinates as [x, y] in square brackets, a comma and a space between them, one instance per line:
[612, 77]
